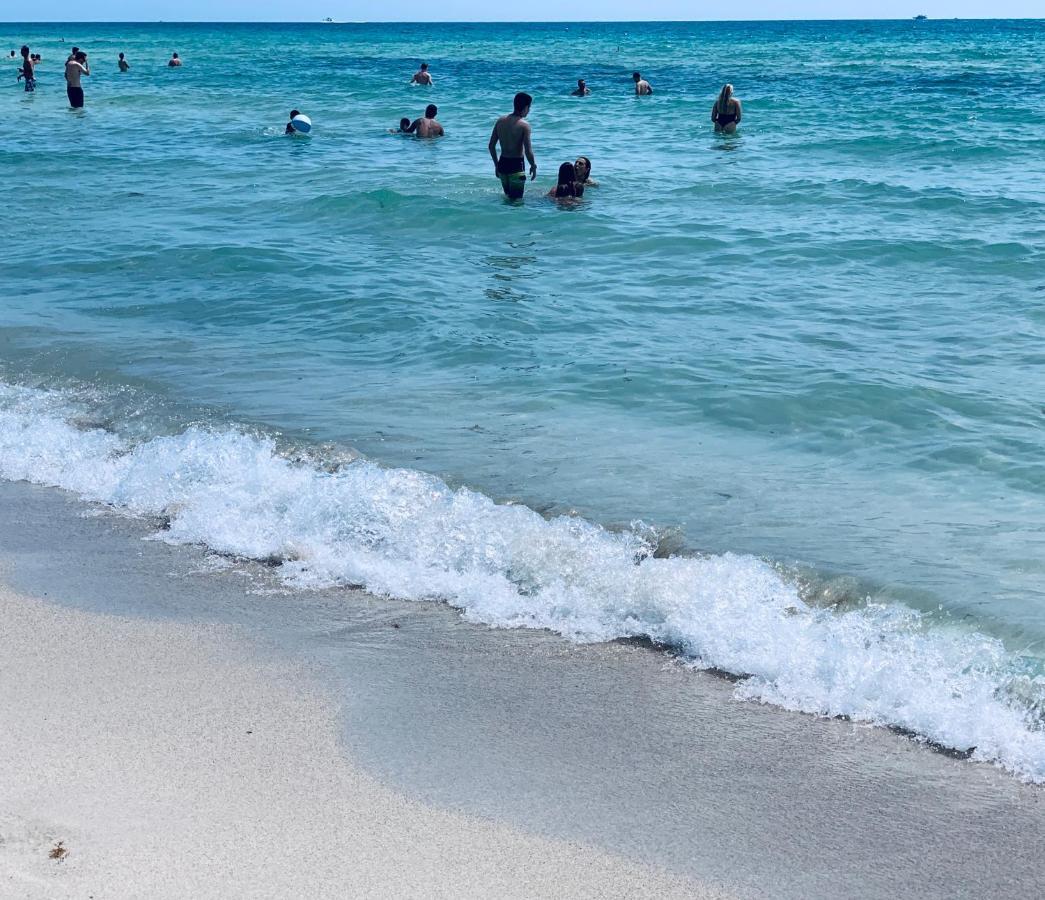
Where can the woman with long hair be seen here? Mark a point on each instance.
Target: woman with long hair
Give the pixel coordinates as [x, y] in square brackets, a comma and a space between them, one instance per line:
[727, 111]
[583, 169]
[567, 188]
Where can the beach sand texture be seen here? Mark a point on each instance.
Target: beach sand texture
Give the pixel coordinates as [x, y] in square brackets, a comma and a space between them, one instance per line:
[173, 760]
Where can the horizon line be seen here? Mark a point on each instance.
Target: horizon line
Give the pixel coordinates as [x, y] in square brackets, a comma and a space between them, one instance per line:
[503, 21]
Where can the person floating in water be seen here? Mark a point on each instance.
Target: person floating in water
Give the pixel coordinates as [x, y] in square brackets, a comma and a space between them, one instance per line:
[422, 76]
[28, 70]
[727, 111]
[75, 69]
[567, 187]
[290, 129]
[427, 126]
[582, 89]
[123, 64]
[583, 167]
[174, 61]
[642, 87]
[404, 127]
[512, 132]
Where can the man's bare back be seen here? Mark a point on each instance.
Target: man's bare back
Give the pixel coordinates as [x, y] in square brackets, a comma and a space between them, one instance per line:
[425, 127]
[513, 133]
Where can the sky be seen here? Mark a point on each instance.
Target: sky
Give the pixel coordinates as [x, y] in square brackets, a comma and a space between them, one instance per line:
[483, 10]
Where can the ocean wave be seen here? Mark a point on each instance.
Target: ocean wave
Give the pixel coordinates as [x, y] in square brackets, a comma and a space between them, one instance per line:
[406, 534]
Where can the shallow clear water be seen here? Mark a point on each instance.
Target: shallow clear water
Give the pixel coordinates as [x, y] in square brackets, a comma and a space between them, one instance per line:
[818, 342]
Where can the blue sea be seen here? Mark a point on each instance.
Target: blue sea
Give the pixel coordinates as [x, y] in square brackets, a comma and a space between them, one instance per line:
[775, 401]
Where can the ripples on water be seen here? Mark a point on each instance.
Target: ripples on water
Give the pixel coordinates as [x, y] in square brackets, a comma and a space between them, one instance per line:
[818, 341]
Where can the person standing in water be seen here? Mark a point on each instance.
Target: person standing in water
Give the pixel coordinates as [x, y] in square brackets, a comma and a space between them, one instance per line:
[726, 112]
[642, 87]
[422, 76]
[75, 69]
[427, 126]
[28, 70]
[123, 64]
[174, 61]
[512, 132]
[582, 89]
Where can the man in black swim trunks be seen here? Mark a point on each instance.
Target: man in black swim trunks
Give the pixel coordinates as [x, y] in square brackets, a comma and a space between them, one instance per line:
[513, 134]
[75, 69]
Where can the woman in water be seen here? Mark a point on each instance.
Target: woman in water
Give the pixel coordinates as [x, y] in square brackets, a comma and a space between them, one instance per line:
[583, 169]
[568, 187]
[727, 111]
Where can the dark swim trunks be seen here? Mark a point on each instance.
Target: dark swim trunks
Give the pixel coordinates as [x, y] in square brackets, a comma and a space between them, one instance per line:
[75, 96]
[512, 172]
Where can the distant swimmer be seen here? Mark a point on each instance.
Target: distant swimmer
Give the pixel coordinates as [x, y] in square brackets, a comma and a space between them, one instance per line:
[422, 76]
[404, 127]
[568, 186]
[642, 87]
[174, 61]
[513, 133]
[290, 129]
[28, 70]
[75, 69]
[582, 89]
[427, 126]
[727, 111]
[583, 167]
[123, 64]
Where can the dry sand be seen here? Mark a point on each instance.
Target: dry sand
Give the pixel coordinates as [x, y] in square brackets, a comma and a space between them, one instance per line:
[178, 760]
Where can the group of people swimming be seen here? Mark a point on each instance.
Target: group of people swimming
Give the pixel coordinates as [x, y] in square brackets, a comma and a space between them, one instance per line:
[510, 145]
[76, 67]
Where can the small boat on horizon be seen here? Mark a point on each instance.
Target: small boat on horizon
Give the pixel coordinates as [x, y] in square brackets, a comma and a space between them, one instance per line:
[917, 18]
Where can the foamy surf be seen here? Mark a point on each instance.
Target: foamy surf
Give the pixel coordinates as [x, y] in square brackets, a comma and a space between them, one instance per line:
[406, 534]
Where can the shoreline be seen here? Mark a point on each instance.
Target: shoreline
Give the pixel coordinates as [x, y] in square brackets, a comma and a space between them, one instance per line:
[609, 749]
[173, 760]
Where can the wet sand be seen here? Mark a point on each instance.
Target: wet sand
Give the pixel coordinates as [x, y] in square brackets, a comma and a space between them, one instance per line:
[143, 759]
[614, 749]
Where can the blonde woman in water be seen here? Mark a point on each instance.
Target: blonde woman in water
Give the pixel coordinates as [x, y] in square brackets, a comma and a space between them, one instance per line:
[727, 111]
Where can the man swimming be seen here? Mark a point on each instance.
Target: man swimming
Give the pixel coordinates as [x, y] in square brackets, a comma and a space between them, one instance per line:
[422, 76]
[174, 61]
[290, 129]
[75, 69]
[513, 133]
[124, 65]
[642, 87]
[427, 126]
[582, 89]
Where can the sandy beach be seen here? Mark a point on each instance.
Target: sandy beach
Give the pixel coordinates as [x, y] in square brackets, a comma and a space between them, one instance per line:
[187, 726]
[171, 761]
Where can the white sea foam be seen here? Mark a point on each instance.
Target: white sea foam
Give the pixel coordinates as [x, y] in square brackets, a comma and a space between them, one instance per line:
[406, 534]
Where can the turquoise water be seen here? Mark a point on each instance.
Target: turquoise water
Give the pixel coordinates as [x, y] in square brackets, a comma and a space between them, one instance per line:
[816, 343]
